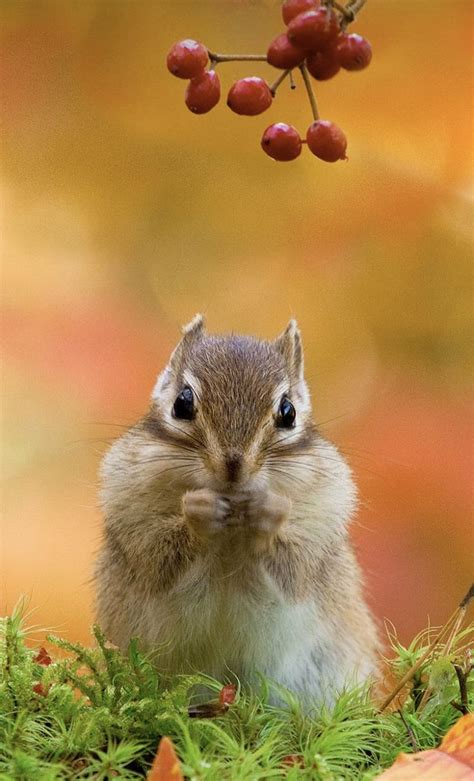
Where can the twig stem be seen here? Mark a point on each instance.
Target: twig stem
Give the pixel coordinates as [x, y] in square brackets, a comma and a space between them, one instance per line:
[462, 678]
[309, 90]
[340, 8]
[215, 57]
[349, 11]
[410, 732]
[278, 81]
[352, 8]
[447, 645]
[426, 695]
[455, 619]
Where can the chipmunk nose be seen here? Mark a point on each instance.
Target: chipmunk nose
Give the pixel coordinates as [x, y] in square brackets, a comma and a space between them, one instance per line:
[233, 465]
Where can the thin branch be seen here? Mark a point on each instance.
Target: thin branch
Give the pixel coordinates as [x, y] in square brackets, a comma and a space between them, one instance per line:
[309, 90]
[278, 81]
[349, 12]
[448, 644]
[469, 596]
[426, 695]
[353, 7]
[452, 634]
[411, 734]
[462, 678]
[340, 8]
[455, 619]
[215, 57]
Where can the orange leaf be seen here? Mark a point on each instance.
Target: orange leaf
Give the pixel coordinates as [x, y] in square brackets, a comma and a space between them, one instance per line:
[459, 741]
[227, 694]
[166, 765]
[453, 761]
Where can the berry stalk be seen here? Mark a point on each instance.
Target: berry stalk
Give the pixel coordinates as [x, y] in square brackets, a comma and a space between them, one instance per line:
[349, 11]
[309, 90]
[216, 58]
[278, 81]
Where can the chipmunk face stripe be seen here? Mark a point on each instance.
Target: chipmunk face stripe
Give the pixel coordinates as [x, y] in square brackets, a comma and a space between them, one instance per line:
[153, 424]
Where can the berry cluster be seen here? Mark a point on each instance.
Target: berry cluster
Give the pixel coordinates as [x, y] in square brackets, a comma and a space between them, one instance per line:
[315, 42]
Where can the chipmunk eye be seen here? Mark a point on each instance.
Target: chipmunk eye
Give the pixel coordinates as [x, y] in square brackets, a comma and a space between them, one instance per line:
[184, 405]
[286, 414]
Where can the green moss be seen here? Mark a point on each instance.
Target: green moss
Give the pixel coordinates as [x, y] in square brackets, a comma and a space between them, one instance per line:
[100, 715]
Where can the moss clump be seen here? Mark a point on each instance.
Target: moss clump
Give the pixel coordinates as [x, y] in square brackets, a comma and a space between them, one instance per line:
[92, 713]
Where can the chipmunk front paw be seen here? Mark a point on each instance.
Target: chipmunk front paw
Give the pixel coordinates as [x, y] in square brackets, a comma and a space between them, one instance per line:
[264, 513]
[205, 512]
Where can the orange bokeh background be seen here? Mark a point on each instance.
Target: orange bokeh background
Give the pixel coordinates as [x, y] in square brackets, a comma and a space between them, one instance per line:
[125, 215]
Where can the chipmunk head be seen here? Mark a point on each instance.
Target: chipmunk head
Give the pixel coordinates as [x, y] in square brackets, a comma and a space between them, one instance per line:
[238, 404]
[227, 413]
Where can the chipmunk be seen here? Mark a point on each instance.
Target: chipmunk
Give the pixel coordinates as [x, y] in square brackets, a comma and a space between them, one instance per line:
[226, 514]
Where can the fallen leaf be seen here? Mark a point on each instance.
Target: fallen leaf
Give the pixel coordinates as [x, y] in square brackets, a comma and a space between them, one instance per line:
[165, 765]
[459, 740]
[38, 688]
[207, 710]
[452, 761]
[42, 657]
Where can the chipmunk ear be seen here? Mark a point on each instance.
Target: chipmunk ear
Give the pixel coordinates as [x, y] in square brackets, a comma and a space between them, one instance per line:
[192, 332]
[290, 346]
[194, 329]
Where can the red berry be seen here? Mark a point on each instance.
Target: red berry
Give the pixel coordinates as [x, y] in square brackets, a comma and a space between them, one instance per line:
[187, 59]
[249, 96]
[314, 29]
[323, 65]
[282, 54]
[281, 141]
[354, 52]
[327, 141]
[203, 92]
[292, 8]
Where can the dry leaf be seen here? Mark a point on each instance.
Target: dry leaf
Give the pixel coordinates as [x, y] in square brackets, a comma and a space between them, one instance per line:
[207, 710]
[227, 694]
[459, 740]
[210, 710]
[166, 765]
[42, 657]
[452, 761]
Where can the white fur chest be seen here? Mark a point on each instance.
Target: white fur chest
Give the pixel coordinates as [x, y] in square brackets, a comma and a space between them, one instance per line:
[220, 624]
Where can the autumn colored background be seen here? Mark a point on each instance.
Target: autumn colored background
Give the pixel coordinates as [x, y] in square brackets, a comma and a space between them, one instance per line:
[125, 214]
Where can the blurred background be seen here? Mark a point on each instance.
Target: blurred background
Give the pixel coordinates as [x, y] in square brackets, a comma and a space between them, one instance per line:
[125, 214]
